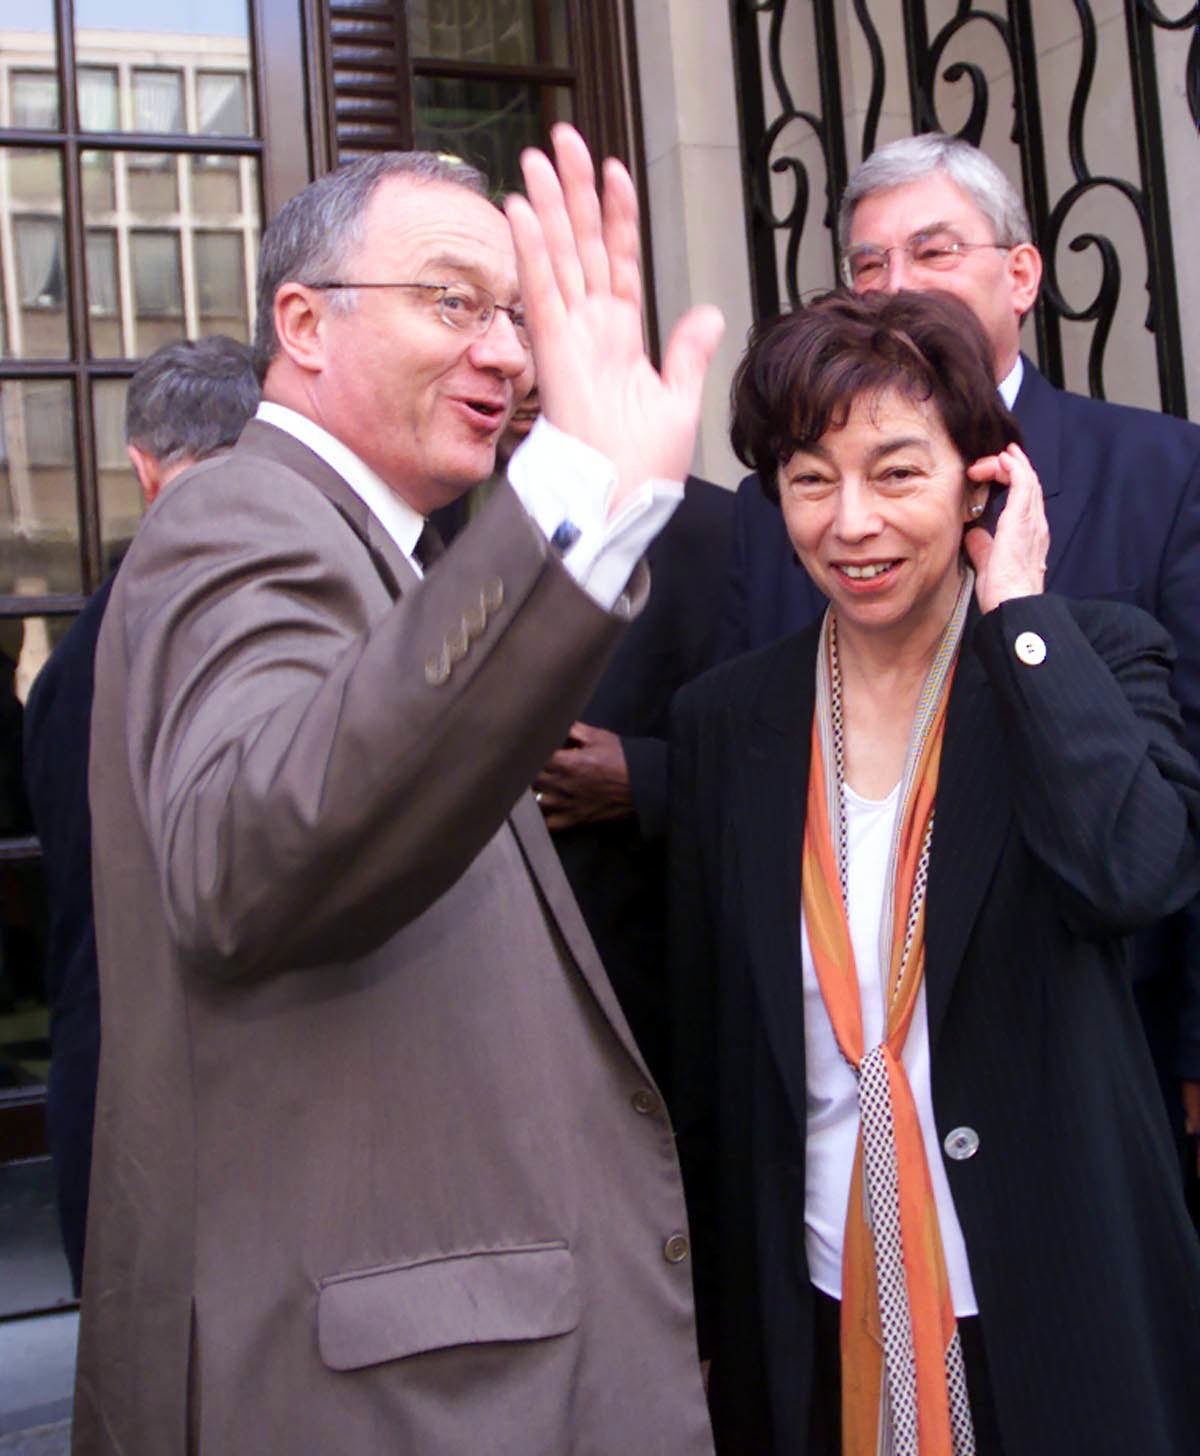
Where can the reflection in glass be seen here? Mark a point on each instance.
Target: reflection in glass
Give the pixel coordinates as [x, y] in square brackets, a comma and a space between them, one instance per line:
[157, 100]
[33, 99]
[99, 192]
[158, 68]
[487, 123]
[104, 313]
[506, 32]
[157, 288]
[221, 103]
[143, 288]
[221, 284]
[39, 523]
[29, 48]
[32, 262]
[97, 90]
[121, 502]
[152, 183]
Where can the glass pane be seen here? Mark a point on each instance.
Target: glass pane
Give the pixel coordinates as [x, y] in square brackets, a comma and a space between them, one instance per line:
[39, 519]
[99, 188]
[154, 262]
[182, 67]
[97, 89]
[31, 96]
[221, 103]
[32, 261]
[487, 122]
[506, 32]
[121, 502]
[104, 313]
[224, 188]
[33, 99]
[151, 182]
[221, 285]
[157, 100]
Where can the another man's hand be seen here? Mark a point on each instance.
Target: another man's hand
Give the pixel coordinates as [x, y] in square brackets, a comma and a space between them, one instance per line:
[581, 287]
[586, 781]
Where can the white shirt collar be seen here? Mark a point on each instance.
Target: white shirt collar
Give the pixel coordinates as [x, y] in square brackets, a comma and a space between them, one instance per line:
[1011, 383]
[396, 516]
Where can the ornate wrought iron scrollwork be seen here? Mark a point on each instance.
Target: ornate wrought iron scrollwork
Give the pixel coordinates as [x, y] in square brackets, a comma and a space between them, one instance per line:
[925, 55]
[760, 140]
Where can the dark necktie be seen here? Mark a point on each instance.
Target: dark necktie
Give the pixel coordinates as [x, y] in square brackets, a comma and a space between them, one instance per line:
[429, 546]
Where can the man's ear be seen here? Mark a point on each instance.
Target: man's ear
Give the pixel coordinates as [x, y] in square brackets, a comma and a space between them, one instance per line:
[148, 471]
[1024, 276]
[299, 317]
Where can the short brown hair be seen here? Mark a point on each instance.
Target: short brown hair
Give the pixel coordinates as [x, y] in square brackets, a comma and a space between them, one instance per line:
[801, 374]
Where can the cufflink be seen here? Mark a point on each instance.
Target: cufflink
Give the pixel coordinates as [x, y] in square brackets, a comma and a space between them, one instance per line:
[1030, 649]
[566, 533]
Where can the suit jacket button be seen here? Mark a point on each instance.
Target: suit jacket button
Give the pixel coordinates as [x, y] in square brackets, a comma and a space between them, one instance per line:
[1030, 649]
[474, 620]
[644, 1101]
[676, 1249]
[492, 596]
[961, 1143]
[457, 643]
[437, 669]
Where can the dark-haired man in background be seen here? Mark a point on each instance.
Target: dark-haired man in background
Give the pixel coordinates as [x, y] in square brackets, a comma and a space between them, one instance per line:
[188, 401]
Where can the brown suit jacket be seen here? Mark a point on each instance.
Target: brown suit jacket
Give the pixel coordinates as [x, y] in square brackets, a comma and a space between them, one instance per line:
[378, 1167]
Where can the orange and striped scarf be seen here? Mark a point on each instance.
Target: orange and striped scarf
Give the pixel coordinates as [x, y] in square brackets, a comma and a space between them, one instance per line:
[903, 1385]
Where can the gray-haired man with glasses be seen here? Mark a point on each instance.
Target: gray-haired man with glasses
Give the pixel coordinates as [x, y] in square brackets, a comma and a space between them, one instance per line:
[1122, 488]
[378, 1164]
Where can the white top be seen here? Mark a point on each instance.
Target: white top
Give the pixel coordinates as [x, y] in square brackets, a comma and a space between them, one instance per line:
[832, 1087]
[557, 479]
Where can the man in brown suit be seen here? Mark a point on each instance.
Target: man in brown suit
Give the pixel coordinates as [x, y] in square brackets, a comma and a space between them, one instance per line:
[378, 1167]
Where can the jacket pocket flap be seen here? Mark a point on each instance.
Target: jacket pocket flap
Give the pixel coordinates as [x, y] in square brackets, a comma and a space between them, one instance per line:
[373, 1315]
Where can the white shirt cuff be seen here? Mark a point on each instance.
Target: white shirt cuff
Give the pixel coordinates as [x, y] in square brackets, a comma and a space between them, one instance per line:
[566, 487]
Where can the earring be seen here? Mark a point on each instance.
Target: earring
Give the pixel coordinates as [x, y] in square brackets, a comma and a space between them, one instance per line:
[977, 510]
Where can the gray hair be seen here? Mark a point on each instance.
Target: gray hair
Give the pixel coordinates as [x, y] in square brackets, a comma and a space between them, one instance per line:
[191, 398]
[310, 237]
[912, 159]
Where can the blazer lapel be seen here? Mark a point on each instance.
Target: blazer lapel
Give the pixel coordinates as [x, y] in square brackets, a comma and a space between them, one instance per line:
[562, 909]
[393, 566]
[971, 821]
[770, 792]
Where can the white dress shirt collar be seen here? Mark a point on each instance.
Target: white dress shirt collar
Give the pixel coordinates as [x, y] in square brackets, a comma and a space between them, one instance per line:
[1011, 383]
[397, 517]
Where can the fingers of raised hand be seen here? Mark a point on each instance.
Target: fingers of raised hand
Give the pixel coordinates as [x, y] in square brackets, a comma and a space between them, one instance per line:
[578, 179]
[622, 241]
[539, 291]
[689, 352]
[546, 197]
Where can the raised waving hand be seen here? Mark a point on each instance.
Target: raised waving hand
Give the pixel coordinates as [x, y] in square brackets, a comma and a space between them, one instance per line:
[577, 260]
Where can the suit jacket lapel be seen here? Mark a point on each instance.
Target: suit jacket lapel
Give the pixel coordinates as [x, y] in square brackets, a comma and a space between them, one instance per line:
[971, 820]
[770, 797]
[393, 566]
[1038, 414]
[562, 909]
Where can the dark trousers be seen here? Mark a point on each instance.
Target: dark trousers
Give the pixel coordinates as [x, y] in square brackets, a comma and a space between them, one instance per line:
[825, 1417]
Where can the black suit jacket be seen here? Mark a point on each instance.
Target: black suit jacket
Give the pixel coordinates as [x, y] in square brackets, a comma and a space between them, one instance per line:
[617, 868]
[57, 729]
[1122, 490]
[1062, 821]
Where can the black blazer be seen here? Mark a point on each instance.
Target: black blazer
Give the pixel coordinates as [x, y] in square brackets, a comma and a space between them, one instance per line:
[1122, 490]
[1062, 822]
[58, 721]
[617, 868]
